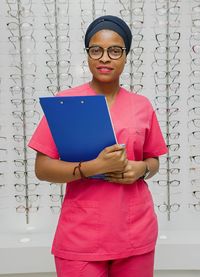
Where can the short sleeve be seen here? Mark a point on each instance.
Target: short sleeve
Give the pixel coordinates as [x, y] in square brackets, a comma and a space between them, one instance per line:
[42, 140]
[154, 144]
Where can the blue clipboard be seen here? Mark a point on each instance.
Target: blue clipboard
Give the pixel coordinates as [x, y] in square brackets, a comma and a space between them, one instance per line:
[80, 125]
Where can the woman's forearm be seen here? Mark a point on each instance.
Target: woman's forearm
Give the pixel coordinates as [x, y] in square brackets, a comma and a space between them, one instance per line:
[153, 166]
[112, 158]
[57, 171]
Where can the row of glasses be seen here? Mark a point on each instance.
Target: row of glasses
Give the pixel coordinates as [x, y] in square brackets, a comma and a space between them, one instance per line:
[87, 15]
[166, 74]
[57, 192]
[58, 53]
[132, 12]
[24, 114]
[193, 102]
[58, 50]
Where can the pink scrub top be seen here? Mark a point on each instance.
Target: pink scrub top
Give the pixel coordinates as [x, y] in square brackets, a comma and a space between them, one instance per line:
[101, 220]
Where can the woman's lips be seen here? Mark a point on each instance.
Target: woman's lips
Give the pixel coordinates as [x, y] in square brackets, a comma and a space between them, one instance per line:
[104, 69]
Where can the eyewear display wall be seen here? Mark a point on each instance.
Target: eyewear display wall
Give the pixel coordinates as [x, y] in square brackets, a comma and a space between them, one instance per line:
[42, 52]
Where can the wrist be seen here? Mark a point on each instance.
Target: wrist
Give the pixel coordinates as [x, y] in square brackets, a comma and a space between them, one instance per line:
[146, 172]
[91, 168]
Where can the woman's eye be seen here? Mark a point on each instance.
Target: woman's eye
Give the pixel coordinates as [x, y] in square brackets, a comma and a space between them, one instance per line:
[115, 50]
[95, 50]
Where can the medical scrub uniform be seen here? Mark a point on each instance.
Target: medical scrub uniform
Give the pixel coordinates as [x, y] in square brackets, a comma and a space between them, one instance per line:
[101, 220]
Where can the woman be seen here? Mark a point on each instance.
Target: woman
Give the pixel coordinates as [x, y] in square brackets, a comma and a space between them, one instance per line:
[106, 227]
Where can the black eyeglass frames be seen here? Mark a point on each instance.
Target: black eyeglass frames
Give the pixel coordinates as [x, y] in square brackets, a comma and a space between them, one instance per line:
[114, 52]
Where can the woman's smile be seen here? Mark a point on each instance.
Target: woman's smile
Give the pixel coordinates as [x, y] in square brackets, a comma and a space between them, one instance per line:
[103, 69]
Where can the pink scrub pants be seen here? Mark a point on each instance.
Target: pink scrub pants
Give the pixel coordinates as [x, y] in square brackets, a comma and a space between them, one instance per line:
[134, 266]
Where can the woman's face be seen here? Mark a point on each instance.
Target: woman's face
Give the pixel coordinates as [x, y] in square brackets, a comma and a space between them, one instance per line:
[105, 69]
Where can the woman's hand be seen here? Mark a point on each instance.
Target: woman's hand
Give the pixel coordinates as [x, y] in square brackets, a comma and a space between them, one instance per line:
[113, 158]
[131, 173]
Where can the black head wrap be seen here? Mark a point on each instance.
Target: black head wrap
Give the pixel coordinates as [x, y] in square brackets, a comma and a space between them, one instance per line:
[113, 23]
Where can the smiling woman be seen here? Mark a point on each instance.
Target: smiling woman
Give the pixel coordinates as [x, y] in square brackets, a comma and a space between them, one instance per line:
[106, 226]
[106, 62]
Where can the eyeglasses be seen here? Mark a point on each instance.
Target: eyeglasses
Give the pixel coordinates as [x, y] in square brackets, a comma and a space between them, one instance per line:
[195, 182]
[163, 183]
[20, 151]
[32, 197]
[173, 147]
[63, 64]
[172, 99]
[165, 207]
[196, 23]
[195, 98]
[196, 194]
[162, 88]
[61, 12]
[25, 13]
[28, 101]
[195, 135]
[195, 111]
[195, 122]
[195, 63]
[175, 36]
[165, 171]
[29, 41]
[195, 74]
[30, 187]
[20, 138]
[172, 123]
[194, 148]
[194, 86]
[64, 78]
[23, 209]
[16, 78]
[173, 159]
[28, 114]
[165, 49]
[21, 162]
[55, 209]
[195, 205]
[163, 63]
[21, 174]
[137, 63]
[196, 9]
[171, 135]
[164, 74]
[137, 39]
[114, 52]
[174, 22]
[137, 51]
[195, 159]
[16, 90]
[164, 10]
[25, 27]
[167, 111]
[127, 77]
[194, 170]
[56, 197]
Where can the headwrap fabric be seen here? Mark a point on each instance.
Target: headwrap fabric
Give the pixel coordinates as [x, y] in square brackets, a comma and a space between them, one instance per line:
[113, 23]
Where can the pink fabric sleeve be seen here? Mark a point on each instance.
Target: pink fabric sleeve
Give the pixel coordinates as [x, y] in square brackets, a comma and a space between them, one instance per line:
[42, 140]
[154, 144]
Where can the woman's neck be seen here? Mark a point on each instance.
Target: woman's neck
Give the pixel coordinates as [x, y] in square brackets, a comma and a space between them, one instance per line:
[110, 90]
